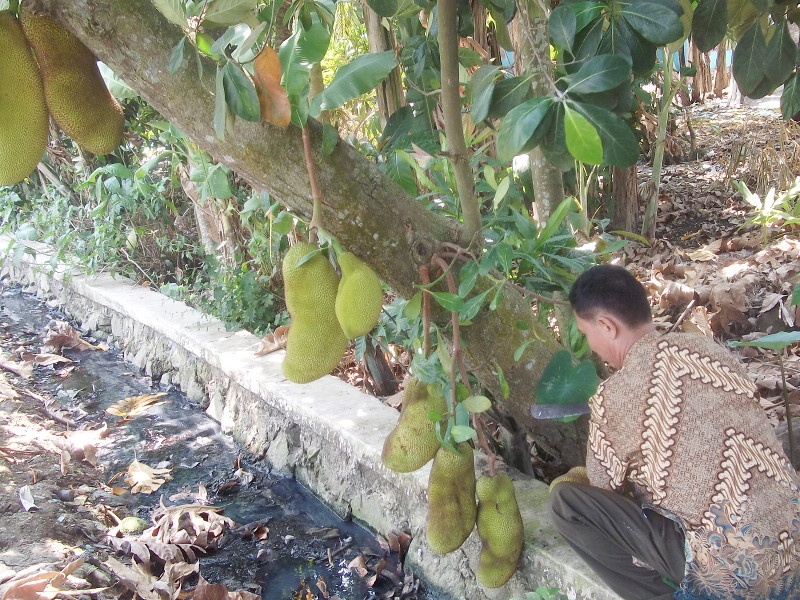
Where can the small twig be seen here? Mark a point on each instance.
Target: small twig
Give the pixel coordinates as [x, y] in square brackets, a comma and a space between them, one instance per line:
[425, 275]
[135, 264]
[683, 316]
[483, 443]
[312, 179]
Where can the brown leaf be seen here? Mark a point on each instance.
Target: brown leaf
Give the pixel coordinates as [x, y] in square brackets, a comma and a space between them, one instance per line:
[135, 404]
[44, 359]
[273, 341]
[23, 369]
[61, 334]
[210, 591]
[359, 563]
[272, 98]
[6, 391]
[144, 479]
[322, 587]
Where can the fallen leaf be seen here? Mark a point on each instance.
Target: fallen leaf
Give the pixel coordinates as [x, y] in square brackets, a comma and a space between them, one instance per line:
[144, 479]
[7, 392]
[61, 334]
[24, 369]
[273, 341]
[26, 498]
[359, 564]
[45, 359]
[322, 587]
[135, 404]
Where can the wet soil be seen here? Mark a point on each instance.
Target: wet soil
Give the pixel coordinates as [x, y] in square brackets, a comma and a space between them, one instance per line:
[59, 443]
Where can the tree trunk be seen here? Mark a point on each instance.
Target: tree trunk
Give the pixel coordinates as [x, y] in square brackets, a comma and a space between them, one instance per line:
[625, 192]
[367, 212]
[701, 82]
[390, 91]
[531, 37]
[722, 74]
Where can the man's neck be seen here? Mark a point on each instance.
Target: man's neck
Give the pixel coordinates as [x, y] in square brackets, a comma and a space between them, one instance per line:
[631, 336]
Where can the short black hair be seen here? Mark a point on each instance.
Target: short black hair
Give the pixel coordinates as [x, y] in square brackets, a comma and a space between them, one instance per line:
[614, 290]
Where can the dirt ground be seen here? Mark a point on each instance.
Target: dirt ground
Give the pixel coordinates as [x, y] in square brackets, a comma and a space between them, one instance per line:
[709, 271]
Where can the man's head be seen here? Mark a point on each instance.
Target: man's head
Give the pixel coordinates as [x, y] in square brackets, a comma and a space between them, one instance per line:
[612, 310]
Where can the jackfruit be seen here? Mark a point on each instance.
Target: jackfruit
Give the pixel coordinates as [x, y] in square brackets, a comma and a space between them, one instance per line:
[23, 112]
[500, 529]
[76, 94]
[413, 442]
[574, 475]
[451, 499]
[315, 343]
[359, 298]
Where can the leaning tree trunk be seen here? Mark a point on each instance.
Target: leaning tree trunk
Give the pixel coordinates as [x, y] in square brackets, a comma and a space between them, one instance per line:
[367, 212]
[530, 35]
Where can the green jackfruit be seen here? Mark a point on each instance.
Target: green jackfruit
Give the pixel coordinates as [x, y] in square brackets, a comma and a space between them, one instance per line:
[76, 94]
[413, 442]
[451, 499]
[23, 112]
[315, 343]
[360, 297]
[500, 529]
[574, 475]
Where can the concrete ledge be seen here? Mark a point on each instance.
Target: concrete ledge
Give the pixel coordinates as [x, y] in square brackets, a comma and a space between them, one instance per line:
[326, 433]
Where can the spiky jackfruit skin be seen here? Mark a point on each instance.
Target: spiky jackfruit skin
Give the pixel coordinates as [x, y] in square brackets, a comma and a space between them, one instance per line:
[23, 112]
[451, 499]
[500, 529]
[315, 343]
[413, 442]
[574, 475]
[76, 94]
[360, 297]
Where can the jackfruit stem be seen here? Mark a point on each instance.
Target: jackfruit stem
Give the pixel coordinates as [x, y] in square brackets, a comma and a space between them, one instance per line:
[316, 210]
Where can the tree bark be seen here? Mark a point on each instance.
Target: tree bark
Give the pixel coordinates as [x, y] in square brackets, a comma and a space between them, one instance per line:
[721, 74]
[367, 212]
[389, 92]
[625, 192]
[531, 37]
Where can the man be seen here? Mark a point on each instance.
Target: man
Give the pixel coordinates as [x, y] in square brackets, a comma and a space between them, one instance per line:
[691, 494]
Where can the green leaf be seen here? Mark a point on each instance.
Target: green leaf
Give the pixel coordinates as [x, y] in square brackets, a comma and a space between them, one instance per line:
[554, 220]
[781, 55]
[563, 383]
[228, 12]
[240, 93]
[599, 73]
[509, 93]
[775, 341]
[563, 25]
[654, 22]
[451, 302]
[620, 146]
[413, 307]
[481, 88]
[444, 355]
[477, 404]
[796, 295]
[330, 137]
[521, 349]
[520, 125]
[710, 23]
[583, 141]
[462, 433]
[585, 12]
[505, 390]
[220, 105]
[748, 59]
[176, 57]
[302, 50]
[385, 8]
[353, 79]
[468, 275]
[473, 305]
[587, 41]
[172, 10]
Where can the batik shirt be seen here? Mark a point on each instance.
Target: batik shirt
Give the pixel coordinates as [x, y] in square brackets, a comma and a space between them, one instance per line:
[679, 428]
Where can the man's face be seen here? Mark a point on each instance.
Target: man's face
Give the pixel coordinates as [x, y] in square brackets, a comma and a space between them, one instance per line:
[600, 337]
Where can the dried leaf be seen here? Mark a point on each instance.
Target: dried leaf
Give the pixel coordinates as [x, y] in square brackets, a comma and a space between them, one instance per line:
[61, 334]
[322, 587]
[46, 585]
[272, 98]
[192, 524]
[7, 392]
[24, 369]
[135, 404]
[44, 359]
[273, 341]
[144, 479]
[359, 564]
[26, 499]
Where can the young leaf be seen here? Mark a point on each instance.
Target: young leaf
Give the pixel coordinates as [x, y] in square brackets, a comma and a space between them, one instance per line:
[353, 79]
[477, 404]
[462, 433]
[583, 141]
[272, 98]
[505, 389]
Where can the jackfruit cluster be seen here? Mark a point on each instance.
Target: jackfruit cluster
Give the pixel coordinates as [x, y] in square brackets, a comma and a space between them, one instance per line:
[360, 297]
[500, 529]
[315, 343]
[74, 90]
[23, 112]
[451, 499]
[413, 442]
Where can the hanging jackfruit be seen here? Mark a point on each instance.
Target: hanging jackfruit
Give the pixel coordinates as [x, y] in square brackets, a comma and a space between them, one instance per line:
[413, 442]
[451, 499]
[500, 529]
[360, 297]
[23, 112]
[315, 343]
[76, 94]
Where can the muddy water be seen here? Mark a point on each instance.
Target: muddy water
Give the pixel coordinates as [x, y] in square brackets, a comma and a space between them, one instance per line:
[307, 543]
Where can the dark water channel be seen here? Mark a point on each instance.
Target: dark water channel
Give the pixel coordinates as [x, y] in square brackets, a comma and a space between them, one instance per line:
[306, 542]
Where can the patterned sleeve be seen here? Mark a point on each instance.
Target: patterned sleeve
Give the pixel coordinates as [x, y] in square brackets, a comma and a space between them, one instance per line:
[603, 466]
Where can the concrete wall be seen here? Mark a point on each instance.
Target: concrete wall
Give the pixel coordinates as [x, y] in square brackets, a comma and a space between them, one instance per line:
[327, 434]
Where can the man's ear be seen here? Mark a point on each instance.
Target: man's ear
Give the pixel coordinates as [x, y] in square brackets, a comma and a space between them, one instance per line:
[609, 324]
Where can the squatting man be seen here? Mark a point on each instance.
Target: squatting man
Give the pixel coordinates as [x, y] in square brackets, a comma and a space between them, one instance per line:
[689, 492]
